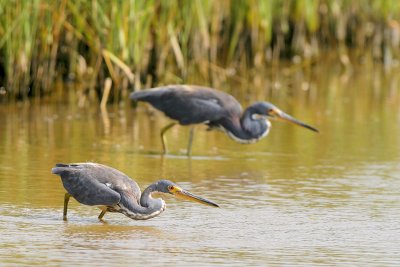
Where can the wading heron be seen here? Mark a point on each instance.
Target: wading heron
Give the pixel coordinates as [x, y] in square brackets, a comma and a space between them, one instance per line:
[191, 104]
[111, 190]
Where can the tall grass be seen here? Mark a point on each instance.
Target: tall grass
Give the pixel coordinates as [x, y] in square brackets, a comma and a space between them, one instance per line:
[141, 43]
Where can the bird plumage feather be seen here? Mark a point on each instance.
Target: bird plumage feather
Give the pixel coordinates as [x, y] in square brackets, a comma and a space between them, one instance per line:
[91, 185]
[191, 104]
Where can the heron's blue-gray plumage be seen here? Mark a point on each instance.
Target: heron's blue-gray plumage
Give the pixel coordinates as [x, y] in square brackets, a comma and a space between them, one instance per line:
[113, 191]
[96, 184]
[190, 104]
[100, 185]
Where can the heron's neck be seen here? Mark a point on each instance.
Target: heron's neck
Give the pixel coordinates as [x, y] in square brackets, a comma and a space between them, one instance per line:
[147, 201]
[147, 208]
[247, 129]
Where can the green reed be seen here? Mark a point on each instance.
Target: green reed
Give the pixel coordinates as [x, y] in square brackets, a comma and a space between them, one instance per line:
[142, 43]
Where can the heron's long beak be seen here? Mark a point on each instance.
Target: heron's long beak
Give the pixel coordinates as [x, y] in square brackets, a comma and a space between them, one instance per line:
[183, 194]
[280, 115]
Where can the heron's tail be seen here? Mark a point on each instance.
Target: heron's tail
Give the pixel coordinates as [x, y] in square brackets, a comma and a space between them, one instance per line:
[148, 94]
[60, 167]
[138, 95]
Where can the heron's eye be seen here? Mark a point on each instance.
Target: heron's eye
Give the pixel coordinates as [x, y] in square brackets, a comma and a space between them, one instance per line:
[272, 112]
[170, 187]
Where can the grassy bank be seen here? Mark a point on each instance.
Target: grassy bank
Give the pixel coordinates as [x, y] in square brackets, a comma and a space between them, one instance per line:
[142, 43]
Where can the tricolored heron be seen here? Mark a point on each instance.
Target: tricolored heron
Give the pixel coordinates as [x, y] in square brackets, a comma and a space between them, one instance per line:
[111, 190]
[191, 104]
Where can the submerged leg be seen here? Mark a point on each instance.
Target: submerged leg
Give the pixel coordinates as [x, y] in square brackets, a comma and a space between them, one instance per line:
[66, 199]
[163, 139]
[189, 148]
[102, 215]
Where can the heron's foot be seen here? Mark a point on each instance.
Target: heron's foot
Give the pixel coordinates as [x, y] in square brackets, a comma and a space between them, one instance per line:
[103, 221]
[101, 217]
[165, 150]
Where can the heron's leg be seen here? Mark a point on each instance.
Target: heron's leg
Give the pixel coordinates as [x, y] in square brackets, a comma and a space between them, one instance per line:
[66, 199]
[163, 139]
[189, 147]
[102, 215]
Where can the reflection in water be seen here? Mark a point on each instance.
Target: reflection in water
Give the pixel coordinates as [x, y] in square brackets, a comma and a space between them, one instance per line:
[294, 198]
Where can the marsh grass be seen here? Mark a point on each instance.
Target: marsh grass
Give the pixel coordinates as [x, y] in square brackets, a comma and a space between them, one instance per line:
[142, 43]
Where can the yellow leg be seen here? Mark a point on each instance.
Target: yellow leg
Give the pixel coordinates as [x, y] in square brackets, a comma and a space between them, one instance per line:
[102, 215]
[66, 199]
[189, 148]
[163, 139]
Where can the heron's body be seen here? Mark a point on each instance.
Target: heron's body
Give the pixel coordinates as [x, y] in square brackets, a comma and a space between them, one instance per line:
[99, 185]
[191, 104]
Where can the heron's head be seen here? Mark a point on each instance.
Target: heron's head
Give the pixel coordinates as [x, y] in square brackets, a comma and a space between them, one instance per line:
[168, 187]
[267, 110]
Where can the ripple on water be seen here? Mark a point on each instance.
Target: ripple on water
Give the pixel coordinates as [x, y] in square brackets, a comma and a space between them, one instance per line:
[286, 200]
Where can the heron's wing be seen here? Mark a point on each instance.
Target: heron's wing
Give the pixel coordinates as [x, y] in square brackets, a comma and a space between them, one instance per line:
[94, 184]
[191, 104]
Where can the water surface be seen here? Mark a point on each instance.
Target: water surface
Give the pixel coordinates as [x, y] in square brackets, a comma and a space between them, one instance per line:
[294, 198]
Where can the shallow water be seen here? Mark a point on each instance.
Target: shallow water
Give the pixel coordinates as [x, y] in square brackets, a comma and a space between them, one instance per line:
[294, 198]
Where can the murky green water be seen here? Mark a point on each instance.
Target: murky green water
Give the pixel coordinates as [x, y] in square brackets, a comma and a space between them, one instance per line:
[294, 198]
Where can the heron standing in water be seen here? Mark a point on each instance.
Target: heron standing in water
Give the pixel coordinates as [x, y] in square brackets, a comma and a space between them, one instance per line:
[111, 190]
[191, 104]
